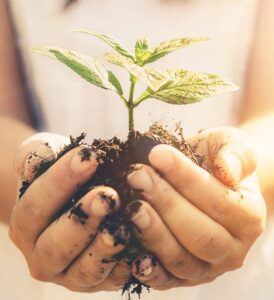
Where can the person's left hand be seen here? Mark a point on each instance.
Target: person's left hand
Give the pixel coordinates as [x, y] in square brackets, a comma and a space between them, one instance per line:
[198, 222]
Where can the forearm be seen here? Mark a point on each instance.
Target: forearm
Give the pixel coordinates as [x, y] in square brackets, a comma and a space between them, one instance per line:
[12, 98]
[12, 134]
[261, 132]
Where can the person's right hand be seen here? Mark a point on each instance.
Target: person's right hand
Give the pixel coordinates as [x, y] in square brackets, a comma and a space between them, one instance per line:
[69, 250]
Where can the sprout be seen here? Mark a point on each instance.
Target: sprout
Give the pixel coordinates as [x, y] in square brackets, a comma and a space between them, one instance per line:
[174, 86]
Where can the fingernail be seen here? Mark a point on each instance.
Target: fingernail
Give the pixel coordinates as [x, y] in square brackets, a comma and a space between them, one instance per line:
[34, 159]
[140, 180]
[108, 239]
[139, 215]
[104, 202]
[143, 266]
[233, 165]
[118, 236]
[83, 160]
[161, 158]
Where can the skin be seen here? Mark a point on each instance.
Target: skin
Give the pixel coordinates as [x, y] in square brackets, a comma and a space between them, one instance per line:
[230, 208]
[188, 211]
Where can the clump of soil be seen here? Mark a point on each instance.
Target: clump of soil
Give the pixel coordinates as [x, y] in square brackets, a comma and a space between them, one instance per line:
[116, 159]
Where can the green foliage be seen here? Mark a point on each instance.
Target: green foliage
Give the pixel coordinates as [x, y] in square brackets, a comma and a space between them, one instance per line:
[184, 87]
[112, 42]
[90, 69]
[142, 52]
[170, 86]
[167, 47]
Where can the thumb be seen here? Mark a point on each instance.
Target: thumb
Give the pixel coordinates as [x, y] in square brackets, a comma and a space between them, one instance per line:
[236, 159]
[39, 147]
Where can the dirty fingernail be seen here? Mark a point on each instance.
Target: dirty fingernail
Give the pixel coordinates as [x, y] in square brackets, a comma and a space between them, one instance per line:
[139, 215]
[43, 153]
[161, 158]
[83, 160]
[108, 239]
[104, 202]
[118, 236]
[143, 266]
[140, 180]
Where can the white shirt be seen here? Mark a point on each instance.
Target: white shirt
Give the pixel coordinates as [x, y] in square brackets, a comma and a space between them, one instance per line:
[70, 105]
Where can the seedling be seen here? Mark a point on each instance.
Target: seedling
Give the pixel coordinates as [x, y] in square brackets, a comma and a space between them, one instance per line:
[174, 86]
[117, 158]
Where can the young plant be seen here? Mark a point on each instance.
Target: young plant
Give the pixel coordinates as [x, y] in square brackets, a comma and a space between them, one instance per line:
[174, 86]
[117, 158]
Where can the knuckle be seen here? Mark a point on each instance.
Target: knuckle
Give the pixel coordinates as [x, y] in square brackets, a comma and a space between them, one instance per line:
[44, 252]
[233, 263]
[212, 244]
[38, 273]
[220, 209]
[29, 205]
[47, 251]
[187, 182]
[256, 226]
[18, 232]
[59, 180]
[237, 264]
[184, 267]
[154, 236]
[78, 275]
[165, 202]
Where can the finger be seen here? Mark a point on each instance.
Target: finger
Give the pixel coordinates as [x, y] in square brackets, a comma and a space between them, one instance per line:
[157, 238]
[49, 193]
[40, 147]
[228, 151]
[119, 275]
[95, 264]
[245, 207]
[116, 280]
[68, 236]
[195, 230]
[149, 271]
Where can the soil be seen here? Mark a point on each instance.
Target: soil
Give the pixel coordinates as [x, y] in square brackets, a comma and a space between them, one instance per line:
[116, 159]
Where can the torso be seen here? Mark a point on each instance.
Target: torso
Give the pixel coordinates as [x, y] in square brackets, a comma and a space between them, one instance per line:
[71, 106]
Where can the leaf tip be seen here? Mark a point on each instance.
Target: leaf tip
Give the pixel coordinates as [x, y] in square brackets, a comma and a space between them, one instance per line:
[33, 49]
[231, 87]
[77, 30]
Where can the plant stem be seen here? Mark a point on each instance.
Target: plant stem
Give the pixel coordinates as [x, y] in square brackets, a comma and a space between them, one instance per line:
[131, 106]
[124, 100]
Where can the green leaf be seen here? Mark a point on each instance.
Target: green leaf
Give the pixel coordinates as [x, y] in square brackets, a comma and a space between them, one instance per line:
[152, 77]
[88, 68]
[142, 53]
[186, 87]
[117, 59]
[115, 83]
[112, 42]
[167, 47]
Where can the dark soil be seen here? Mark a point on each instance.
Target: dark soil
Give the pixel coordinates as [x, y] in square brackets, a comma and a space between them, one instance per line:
[116, 159]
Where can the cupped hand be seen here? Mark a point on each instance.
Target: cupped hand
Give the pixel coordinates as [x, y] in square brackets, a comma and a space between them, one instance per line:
[198, 222]
[68, 250]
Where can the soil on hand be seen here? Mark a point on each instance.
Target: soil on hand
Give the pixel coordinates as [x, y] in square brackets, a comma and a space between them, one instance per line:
[116, 159]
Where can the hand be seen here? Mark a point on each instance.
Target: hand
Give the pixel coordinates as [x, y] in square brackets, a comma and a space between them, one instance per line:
[69, 250]
[198, 223]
